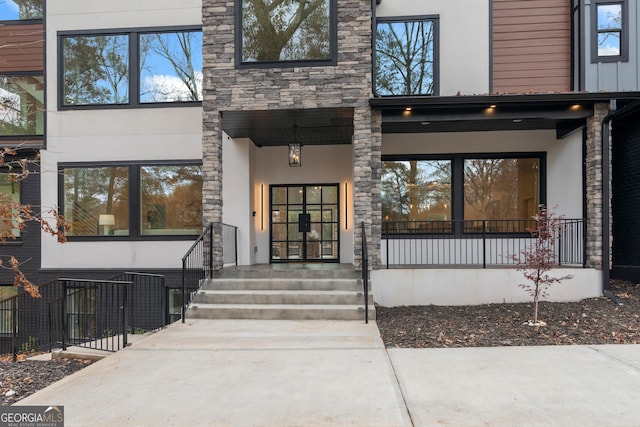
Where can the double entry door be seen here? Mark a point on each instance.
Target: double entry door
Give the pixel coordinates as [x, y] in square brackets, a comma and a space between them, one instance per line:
[305, 223]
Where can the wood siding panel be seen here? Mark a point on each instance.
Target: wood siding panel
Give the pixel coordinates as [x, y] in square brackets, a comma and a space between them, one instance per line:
[22, 48]
[531, 46]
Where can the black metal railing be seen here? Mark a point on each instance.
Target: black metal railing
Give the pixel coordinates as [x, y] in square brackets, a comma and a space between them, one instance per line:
[475, 242]
[146, 301]
[77, 311]
[90, 314]
[24, 321]
[365, 271]
[198, 263]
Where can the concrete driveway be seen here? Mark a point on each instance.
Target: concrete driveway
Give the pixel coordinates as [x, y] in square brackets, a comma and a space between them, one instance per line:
[338, 373]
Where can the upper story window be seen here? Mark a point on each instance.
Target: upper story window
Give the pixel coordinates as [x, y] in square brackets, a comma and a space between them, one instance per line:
[280, 32]
[610, 33]
[21, 105]
[406, 59]
[20, 10]
[131, 68]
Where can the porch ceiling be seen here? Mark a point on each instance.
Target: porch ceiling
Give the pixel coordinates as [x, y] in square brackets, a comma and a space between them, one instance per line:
[319, 126]
[562, 112]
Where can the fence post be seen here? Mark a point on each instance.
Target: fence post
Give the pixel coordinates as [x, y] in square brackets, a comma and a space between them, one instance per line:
[14, 327]
[184, 288]
[124, 315]
[484, 243]
[64, 315]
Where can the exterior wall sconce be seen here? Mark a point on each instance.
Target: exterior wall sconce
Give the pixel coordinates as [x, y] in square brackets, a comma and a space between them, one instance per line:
[295, 158]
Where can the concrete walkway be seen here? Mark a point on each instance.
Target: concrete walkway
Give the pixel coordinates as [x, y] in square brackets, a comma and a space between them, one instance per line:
[338, 373]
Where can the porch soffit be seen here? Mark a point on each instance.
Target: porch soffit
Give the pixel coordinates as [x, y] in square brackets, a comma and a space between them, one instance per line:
[319, 126]
[562, 112]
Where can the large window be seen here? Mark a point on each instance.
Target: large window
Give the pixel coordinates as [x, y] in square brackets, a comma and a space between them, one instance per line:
[9, 204]
[133, 200]
[406, 60]
[131, 68]
[14, 10]
[21, 105]
[429, 195]
[610, 34]
[275, 31]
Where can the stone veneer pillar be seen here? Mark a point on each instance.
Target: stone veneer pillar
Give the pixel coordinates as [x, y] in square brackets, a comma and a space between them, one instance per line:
[594, 187]
[347, 84]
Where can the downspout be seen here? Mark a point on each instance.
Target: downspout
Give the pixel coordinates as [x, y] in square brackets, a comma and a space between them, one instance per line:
[606, 194]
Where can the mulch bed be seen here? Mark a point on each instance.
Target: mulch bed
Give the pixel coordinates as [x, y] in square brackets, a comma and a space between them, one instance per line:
[591, 321]
[24, 377]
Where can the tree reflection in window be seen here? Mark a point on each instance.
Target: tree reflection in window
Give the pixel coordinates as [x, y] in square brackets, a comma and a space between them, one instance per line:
[171, 66]
[96, 69]
[171, 198]
[21, 105]
[501, 188]
[285, 30]
[416, 190]
[609, 29]
[92, 192]
[11, 10]
[405, 57]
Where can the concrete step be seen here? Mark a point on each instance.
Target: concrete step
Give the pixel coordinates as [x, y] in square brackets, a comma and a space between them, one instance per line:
[282, 284]
[279, 297]
[279, 311]
[289, 271]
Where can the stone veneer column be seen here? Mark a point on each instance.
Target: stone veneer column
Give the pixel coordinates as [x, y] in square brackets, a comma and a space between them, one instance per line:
[345, 85]
[594, 187]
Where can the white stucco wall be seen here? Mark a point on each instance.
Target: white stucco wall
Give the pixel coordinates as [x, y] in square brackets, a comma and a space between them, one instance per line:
[398, 287]
[464, 40]
[247, 168]
[141, 134]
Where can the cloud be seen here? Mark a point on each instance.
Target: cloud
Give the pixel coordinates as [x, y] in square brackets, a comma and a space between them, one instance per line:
[168, 88]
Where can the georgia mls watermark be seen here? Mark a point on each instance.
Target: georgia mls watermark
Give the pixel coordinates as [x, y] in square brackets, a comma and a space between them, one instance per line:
[31, 416]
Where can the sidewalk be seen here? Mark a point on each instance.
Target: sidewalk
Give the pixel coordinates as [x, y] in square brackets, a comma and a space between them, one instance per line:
[328, 373]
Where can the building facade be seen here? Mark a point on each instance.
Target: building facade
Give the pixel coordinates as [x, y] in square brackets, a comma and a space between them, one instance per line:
[438, 128]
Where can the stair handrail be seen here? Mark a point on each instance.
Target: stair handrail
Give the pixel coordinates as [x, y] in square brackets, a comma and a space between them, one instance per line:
[365, 271]
[199, 249]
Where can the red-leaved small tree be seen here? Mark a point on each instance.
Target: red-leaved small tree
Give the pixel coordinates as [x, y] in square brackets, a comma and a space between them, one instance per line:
[539, 258]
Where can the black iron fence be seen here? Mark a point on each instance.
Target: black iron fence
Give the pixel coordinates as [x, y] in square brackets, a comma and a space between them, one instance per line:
[474, 243]
[91, 313]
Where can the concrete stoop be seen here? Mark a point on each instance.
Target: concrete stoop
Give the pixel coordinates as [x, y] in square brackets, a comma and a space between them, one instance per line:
[280, 298]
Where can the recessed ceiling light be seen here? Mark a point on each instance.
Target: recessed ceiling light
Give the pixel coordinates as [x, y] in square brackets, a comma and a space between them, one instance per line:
[425, 123]
[517, 120]
[492, 106]
[408, 108]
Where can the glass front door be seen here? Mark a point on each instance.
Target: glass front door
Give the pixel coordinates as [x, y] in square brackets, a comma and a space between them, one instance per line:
[305, 223]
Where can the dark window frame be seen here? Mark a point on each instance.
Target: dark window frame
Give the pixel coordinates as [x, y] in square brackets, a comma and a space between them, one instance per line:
[135, 207]
[333, 44]
[624, 32]
[5, 170]
[134, 67]
[457, 181]
[435, 19]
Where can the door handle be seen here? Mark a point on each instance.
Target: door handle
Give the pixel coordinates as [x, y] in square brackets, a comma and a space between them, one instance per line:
[304, 223]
